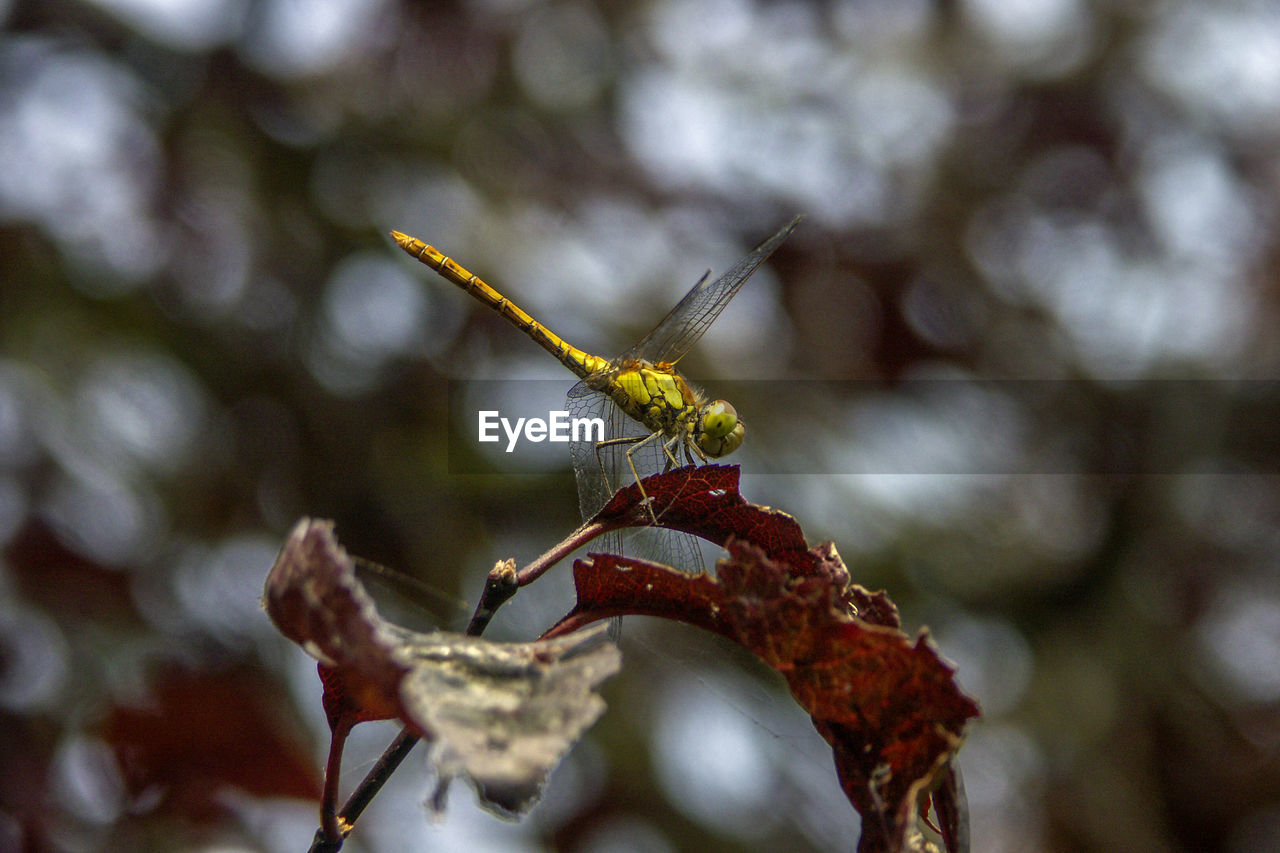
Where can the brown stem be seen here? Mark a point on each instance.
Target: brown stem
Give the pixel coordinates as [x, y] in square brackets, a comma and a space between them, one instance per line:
[330, 830]
[504, 581]
[575, 540]
[499, 586]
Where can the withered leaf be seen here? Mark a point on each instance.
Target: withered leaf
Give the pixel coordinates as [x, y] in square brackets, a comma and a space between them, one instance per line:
[887, 703]
[500, 714]
[200, 733]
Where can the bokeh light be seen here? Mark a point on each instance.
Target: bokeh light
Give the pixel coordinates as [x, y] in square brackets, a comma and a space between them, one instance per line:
[1018, 362]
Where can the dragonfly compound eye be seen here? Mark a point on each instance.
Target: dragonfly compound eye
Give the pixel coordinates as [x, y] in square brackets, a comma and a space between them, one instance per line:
[722, 431]
[718, 419]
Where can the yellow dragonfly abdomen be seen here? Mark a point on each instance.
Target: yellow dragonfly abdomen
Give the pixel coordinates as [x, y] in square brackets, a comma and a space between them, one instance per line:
[583, 364]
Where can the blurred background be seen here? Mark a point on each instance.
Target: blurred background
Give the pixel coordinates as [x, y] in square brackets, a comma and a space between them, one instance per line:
[1006, 357]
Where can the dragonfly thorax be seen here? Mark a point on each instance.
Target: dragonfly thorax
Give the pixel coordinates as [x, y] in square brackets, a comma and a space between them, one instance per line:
[661, 399]
[656, 396]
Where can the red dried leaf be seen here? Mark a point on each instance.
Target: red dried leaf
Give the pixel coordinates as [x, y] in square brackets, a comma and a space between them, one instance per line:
[887, 704]
[503, 714]
[351, 697]
[65, 583]
[704, 501]
[202, 733]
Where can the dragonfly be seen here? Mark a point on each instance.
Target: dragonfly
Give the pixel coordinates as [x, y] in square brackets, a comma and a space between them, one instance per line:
[654, 416]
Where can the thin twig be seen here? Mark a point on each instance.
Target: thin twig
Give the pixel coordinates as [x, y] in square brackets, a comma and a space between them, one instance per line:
[330, 827]
[575, 540]
[364, 793]
[499, 586]
[504, 581]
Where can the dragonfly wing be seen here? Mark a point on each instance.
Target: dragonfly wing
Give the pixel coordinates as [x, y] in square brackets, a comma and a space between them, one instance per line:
[685, 324]
[599, 473]
[591, 466]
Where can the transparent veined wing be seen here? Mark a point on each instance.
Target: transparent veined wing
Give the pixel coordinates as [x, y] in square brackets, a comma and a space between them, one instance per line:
[694, 314]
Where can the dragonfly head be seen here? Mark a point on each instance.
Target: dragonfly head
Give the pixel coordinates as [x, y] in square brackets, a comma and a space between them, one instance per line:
[722, 431]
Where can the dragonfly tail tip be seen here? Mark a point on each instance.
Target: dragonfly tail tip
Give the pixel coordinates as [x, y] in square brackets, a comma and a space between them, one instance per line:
[404, 241]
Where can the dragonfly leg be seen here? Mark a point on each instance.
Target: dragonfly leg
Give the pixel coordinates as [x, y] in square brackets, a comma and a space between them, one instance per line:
[636, 442]
[672, 461]
[692, 450]
[604, 471]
